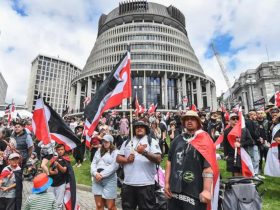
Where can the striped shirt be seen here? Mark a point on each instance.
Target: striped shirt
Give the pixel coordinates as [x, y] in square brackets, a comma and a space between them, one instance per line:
[42, 201]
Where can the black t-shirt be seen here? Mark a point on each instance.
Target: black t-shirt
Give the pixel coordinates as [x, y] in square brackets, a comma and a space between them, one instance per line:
[59, 178]
[187, 165]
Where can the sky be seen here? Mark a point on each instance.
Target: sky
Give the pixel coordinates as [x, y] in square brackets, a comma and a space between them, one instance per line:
[244, 32]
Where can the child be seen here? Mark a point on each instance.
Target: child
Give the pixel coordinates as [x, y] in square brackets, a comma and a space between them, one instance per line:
[40, 198]
[11, 184]
[58, 172]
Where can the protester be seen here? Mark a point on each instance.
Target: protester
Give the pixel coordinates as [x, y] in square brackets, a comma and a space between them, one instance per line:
[189, 176]
[234, 162]
[253, 150]
[79, 151]
[11, 184]
[155, 131]
[103, 170]
[173, 132]
[24, 142]
[124, 126]
[40, 199]
[96, 142]
[58, 172]
[139, 157]
[32, 166]
[47, 152]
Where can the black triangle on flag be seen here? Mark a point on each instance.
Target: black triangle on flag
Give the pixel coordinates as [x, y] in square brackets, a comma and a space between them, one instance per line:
[272, 99]
[59, 130]
[115, 88]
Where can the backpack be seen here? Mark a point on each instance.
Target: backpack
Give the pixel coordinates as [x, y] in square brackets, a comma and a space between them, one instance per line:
[120, 172]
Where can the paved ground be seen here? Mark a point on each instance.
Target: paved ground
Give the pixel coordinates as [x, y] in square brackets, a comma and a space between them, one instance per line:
[85, 198]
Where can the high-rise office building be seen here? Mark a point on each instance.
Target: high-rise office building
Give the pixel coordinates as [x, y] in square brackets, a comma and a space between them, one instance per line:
[165, 69]
[3, 89]
[50, 77]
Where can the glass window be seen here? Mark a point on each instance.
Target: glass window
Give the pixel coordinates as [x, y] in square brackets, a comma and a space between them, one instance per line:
[153, 91]
[172, 93]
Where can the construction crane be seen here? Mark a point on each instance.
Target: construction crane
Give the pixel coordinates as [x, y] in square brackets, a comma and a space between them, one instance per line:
[221, 66]
[223, 69]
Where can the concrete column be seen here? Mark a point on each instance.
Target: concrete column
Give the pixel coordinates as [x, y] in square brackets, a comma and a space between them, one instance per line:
[209, 95]
[192, 92]
[95, 86]
[145, 91]
[251, 96]
[179, 90]
[244, 100]
[165, 91]
[71, 98]
[184, 86]
[89, 87]
[104, 77]
[124, 104]
[214, 98]
[78, 96]
[199, 94]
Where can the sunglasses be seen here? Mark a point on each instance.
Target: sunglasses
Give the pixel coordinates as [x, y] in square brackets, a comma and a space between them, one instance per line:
[235, 118]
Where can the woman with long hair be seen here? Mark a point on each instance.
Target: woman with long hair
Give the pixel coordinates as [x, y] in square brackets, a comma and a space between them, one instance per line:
[103, 170]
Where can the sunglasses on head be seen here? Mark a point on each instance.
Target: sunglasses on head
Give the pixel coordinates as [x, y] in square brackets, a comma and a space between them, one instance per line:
[235, 118]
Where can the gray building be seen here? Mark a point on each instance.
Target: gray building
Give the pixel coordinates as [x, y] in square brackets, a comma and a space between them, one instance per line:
[51, 77]
[164, 67]
[3, 89]
[256, 84]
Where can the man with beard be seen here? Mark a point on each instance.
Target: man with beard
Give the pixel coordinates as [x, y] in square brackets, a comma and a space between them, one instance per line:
[191, 169]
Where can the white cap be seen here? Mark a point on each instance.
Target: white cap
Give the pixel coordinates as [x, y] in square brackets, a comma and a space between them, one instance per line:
[13, 155]
[108, 138]
[232, 115]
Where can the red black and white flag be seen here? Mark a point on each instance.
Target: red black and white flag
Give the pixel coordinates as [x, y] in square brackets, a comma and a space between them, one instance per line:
[193, 108]
[272, 164]
[235, 134]
[47, 120]
[115, 88]
[152, 108]
[203, 143]
[85, 133]
[275, 99]
[9, 110]
[40, 122]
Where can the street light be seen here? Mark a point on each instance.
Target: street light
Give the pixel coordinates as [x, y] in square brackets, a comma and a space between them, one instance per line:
[251, 82]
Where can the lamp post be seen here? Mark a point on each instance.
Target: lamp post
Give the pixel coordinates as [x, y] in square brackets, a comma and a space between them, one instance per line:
[251, 82]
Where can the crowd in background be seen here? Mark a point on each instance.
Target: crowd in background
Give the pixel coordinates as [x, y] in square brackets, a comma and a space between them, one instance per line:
[114, 128]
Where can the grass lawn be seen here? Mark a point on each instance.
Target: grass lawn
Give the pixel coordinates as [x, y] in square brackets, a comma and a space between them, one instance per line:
[271, 185]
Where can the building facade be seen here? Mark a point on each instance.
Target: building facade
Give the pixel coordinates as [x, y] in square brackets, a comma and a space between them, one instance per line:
[256, 84]
[3, 89]
[165, 69]
[51, 78]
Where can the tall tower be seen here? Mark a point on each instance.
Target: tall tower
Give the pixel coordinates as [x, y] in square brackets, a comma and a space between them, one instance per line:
[50, 77]
[165, 69]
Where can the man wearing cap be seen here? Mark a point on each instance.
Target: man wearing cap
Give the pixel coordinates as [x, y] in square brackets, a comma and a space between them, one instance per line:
[11, 184]
[139, 157]
[24, 142]
[234, 163]
[191, 169]
[40, 198]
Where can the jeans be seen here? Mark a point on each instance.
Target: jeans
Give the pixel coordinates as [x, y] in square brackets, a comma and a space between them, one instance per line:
[254, 153]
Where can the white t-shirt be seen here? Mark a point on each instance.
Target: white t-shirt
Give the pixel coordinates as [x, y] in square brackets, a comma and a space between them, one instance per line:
[142, 171]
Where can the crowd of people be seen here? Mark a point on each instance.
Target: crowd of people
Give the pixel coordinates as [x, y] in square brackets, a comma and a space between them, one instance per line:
[132, 162]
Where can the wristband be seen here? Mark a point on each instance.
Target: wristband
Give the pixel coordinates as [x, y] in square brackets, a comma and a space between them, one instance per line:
[207, 175]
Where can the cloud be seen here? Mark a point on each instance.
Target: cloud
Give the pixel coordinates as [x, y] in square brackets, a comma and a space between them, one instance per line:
[241, 29]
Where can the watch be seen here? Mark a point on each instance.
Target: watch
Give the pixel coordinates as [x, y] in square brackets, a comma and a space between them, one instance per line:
[145, 153]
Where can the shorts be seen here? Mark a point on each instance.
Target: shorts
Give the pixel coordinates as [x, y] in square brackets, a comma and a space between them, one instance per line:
[107, 187]
[48, 157]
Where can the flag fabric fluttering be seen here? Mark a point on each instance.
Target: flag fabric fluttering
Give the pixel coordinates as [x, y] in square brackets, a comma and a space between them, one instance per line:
[57, 128]
[193, 108]
[152, 108]
[115, 88]
[272, 164]
[246, 161]
[9, 111]
[275, 99]
[85, 133]
[203, 143]
[40, 123]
